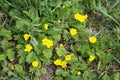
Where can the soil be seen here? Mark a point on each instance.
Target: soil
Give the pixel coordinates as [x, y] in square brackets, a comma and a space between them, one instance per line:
[50, 72]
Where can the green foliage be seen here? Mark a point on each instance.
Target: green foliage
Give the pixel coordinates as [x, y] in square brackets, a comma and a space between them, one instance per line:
[2, 57]
[117, 76]
[19, 69]
[20, 17]
[73, 78]
[6, 34]
[10, 54]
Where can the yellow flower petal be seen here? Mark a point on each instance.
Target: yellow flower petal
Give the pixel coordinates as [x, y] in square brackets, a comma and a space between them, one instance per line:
[61, 45]
[73, 31]
[26, 36]
[48, 43]
[80, 17]
[28, 48]
[78, 73]
[92, 39]
[92, 57]
[35, 63]
[63, 64]
[57, 62]
[68, 57]
[46, 26]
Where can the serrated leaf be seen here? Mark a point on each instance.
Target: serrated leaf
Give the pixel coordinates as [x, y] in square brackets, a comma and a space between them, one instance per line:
[2, 57]
[32, 69]
[85, 50]
[19, 69]
[36, 78]
[73, 78]
[59, 71]
[47, 53]
[5, 44]
[34, 42]
[58, 78]
[21, 56]
[10, 54]
[6, 33]
[19, 46]
[65, 73]
[43, 70]
[61, 50]
[23, 25]
[64, 11]
[100, 54]
[31, 57]
[117, 76]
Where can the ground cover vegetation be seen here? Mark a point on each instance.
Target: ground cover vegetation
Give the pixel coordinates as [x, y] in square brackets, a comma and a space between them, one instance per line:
[80, 39]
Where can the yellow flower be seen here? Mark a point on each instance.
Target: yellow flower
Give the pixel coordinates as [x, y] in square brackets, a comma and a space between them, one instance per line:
[63, 64]
[35, 63]
[73, 31]
[80, 17]
[92, 57]
[78, 73]
[68, 57]
[57, 62]
[28, 48]
[61, 45]
[26, 36]
[92, 39]
[44, 41]
[47, 42]
[46, 26]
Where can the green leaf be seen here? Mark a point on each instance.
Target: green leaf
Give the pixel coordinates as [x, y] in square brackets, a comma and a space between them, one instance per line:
[36, 78]
[34, 42]
[65, 73]
[37, 72]
[5, 44]
[105, 77]
[43, 70]
[86, 74]
[61, 50]
[30, 57]
[73, 49]
[58, 78]
[32, 69]
[66, 35]
[100, 54]
[4, 5]
[59, 71]
[85, 50]
[6, 33]
[15, 13]
[104, 11]
[32, 14]
[73, 78]
[73, 71]
[117, 76]
[19, 69]
[108, 58]
[23, 25]
[2, 57]
[21, 56]
[10, 54]
[19, 46]
[55, 32]
[47, 53]
[64, 12]
[83, 66]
